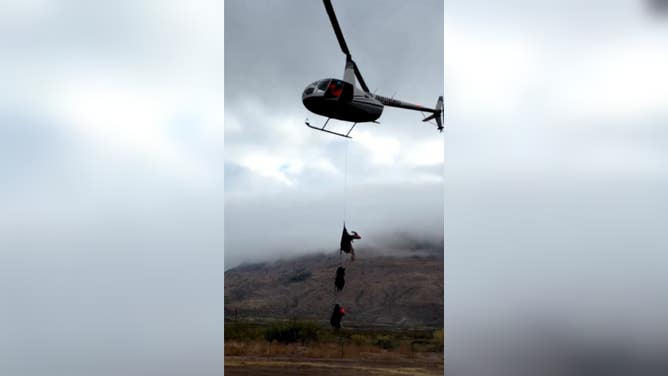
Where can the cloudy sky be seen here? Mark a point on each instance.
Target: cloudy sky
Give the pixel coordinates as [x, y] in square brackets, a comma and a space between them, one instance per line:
[556, 168]
[284, 183]
[111, 185]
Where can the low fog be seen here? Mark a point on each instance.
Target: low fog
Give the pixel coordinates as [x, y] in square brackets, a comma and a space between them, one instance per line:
[387, 218]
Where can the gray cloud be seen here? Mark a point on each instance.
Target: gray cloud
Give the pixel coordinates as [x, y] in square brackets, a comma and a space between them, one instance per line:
[555, 168]
[110, 188]
[306, 221]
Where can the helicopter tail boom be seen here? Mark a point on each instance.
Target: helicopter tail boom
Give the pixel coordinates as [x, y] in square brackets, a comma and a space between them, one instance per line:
[436, 112]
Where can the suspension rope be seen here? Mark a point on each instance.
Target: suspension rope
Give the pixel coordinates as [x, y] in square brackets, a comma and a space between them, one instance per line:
[345, 195]
[345, 202]
[345, 184]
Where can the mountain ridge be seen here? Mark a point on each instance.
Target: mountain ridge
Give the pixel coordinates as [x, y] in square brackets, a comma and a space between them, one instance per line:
[397, 288]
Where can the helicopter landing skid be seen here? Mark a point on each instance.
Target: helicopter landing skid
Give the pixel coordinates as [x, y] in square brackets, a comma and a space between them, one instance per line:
[328, 131]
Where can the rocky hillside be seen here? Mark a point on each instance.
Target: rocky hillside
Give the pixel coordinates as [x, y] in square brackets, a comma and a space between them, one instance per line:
[380, 290]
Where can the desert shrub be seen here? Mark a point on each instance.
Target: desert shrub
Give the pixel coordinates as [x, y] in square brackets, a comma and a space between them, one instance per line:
[386, 342]
[328, 335]
[439, 337]
[292, 331]
[252, 348]
[433, 344]
[242, 331]
[360, 339]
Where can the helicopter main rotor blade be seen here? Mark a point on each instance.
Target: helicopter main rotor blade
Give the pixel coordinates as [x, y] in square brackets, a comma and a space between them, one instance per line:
[337, 28]
[358, 74]
[342, 42]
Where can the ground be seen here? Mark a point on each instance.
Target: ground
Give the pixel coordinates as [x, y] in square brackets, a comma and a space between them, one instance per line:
[296, 365]
[308, 348]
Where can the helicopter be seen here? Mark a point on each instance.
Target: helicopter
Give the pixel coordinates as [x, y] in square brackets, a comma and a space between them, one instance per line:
[341, 98]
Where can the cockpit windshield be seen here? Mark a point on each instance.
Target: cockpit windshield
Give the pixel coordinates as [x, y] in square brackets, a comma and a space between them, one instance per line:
[322, 85]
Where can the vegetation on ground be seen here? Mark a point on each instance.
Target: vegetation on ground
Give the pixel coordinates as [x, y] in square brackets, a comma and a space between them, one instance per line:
[303, 332]
[292, 332]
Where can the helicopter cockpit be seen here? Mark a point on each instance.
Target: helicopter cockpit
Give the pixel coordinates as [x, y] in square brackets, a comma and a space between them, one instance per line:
[328, 88]
[316, 88]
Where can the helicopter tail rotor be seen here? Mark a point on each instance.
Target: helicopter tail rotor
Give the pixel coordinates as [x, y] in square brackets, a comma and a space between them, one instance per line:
[437, 114]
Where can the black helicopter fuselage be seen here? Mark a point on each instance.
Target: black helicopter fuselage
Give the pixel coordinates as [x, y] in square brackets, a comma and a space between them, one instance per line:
[337, 99]
[341, 99]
